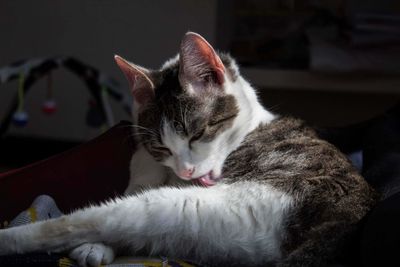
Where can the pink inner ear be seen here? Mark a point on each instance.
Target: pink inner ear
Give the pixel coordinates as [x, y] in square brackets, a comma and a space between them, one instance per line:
[209, 54]
[196, 46]
[141, 86]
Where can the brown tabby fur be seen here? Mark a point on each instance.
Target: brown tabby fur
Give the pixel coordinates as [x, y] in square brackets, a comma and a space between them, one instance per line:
[331, 196]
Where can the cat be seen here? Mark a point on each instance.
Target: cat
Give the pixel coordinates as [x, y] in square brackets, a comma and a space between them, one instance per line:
[256, 188]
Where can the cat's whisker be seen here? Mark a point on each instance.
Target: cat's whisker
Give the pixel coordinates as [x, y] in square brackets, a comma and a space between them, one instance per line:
[143, 133]
[147, 130]
[140, 134]
[131, 126]
[275, 107]
[141, 127]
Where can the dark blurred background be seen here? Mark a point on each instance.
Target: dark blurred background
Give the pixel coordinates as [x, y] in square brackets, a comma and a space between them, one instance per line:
[330, 62]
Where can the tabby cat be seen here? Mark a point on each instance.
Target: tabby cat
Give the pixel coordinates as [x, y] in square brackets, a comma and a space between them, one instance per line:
[216, 179]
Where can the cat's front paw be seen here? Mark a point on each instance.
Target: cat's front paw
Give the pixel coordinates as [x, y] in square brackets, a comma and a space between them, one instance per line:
[92, 254]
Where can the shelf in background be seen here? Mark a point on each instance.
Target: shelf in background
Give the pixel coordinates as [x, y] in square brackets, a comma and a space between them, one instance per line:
[323, 82]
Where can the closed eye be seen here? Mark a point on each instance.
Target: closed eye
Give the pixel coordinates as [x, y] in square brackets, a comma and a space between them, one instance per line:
[225, 119]
[197, 136]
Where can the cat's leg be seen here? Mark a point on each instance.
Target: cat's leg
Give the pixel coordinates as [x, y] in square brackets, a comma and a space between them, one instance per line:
[59, 234]
[321, 245]
[52, 236]
[238, 223]
[145, 172]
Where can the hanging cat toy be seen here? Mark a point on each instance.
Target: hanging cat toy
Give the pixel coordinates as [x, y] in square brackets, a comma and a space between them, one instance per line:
[101, 87]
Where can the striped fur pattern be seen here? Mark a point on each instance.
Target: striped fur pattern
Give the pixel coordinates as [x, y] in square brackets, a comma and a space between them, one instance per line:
[216, 179]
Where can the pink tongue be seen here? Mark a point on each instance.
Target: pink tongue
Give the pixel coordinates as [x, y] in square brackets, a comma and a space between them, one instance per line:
[206, 181]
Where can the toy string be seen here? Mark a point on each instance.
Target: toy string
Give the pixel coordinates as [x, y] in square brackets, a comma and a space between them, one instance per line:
[21, 82]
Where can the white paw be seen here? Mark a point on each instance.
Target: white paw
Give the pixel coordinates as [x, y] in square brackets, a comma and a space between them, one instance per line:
[92, 254]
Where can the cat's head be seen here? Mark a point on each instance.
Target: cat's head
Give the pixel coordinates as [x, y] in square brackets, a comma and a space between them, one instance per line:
[193, 112]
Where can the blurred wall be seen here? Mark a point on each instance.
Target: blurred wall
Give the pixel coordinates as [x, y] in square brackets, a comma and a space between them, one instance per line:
[146, 32]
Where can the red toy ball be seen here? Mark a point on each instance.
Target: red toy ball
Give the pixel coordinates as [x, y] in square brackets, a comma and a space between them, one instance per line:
[49, 107]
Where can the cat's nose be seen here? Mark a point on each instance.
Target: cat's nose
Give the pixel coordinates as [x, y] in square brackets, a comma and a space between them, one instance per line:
[187, 172]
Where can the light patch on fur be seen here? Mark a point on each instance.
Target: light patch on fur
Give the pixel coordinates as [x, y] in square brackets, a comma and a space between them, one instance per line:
[234, 67]
[244, 221]
[181, 155]
[170, 62]
[251, 108]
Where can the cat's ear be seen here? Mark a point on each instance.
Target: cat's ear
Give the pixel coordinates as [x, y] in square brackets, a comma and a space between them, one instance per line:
[199, 64]
[139, 81]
